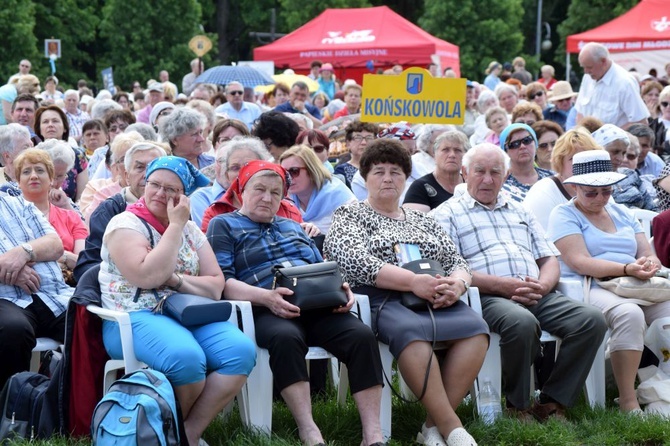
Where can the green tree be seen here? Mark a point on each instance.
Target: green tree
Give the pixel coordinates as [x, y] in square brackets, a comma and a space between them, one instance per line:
[144, 37]
[485, 30]
[17, 20]
[587, 14]
[296, 13]
[75, 23]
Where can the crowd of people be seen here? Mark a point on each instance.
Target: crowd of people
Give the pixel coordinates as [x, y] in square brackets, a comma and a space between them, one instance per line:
[202, 189]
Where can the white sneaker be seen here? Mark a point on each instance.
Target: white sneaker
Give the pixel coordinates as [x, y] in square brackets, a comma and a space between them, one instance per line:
[430, 436]
[460, 437]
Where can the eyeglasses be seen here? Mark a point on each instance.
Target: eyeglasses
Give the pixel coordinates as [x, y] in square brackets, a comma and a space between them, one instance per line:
[295, 171]
[118, 128]
[165, 112]
[359, 138]
[168, 190]
[545, 145]
[631, 156]
[319, 148]
[516, 144]
[235, 93]
[665, 104]
[536, 94]
[564, 100]
[606, 193]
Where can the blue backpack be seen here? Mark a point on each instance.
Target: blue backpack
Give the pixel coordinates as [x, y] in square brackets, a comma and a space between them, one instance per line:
[140, 409]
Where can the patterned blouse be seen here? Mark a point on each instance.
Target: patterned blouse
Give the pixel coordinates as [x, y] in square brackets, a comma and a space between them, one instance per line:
[117, 292]
[517, 190]
[362, 242]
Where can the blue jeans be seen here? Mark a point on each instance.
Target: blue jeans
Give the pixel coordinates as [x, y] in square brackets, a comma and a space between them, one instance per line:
[184, 354]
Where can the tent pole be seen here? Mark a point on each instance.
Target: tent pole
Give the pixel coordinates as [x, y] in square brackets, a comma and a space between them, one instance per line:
[567, 66]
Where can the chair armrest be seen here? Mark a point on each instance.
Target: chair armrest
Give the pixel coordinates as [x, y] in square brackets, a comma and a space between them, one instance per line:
[362, 305]
[572, 288]
[472, 298]
[122, 318]
[244, 308]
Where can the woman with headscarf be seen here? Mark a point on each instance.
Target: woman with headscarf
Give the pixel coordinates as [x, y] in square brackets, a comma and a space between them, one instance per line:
[152, 251]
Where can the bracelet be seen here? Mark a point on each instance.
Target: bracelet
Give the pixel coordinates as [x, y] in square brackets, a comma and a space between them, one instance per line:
[179, 283]
[624, 269]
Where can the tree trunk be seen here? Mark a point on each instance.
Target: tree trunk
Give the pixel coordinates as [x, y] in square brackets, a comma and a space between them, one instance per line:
[222, 15]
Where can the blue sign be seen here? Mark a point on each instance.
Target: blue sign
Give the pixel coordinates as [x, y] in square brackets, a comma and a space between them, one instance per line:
[108, 80]
[414, 83]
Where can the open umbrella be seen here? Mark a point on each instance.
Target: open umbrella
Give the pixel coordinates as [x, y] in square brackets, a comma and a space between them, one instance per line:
[290, 79]
[225, 74]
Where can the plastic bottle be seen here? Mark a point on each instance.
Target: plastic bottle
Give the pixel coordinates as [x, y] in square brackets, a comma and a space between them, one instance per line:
[489, 403]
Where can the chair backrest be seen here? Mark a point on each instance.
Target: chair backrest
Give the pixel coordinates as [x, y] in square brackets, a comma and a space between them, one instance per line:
[645, 217]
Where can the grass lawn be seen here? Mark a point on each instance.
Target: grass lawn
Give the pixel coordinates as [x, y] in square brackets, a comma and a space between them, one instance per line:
[341, 426]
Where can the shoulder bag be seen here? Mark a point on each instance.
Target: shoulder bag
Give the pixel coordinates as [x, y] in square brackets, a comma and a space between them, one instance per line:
[421, 266]
[314, 286]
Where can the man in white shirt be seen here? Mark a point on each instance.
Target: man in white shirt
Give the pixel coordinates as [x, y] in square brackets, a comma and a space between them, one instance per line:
[608, 91]
[236, 107]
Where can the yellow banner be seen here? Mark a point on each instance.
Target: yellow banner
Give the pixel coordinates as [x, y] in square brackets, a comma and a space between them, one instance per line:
[413, 96]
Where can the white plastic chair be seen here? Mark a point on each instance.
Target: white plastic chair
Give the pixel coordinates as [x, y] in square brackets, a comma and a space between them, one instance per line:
[43, 344]
[259, 384]
[645, 217]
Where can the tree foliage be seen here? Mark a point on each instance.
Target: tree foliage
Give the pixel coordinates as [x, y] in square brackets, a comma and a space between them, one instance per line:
[147, 36]
[485, 30]
[17, 21]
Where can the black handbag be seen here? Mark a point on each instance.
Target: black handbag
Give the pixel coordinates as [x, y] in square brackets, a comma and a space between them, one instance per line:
[314, 286]
[421, 266]
[190, 309]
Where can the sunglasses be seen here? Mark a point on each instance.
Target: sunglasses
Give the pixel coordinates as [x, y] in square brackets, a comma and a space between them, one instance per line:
[665, 104]
[295, 171]
[606, 193]
[516, 144]
[536, 94]
[319, 148]
[235, 93]
[545, 145]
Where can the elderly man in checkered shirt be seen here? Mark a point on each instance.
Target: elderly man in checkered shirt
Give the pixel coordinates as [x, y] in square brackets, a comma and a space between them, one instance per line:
[516, 270]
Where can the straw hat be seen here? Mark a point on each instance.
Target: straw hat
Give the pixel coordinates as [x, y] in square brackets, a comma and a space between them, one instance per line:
[561, 90]
[593, 168]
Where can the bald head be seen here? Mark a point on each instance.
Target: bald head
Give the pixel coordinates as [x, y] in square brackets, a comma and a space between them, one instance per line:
[594, 58]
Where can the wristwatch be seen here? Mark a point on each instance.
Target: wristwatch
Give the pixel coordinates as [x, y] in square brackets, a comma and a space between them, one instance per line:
[467, 285]
[29, 249]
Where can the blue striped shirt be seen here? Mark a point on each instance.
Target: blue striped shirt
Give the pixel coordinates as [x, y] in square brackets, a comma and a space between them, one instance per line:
[22, 222]
[247, 250]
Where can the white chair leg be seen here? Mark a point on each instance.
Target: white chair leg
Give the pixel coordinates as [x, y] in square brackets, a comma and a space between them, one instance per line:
[595, 381]
[491, 370]
[386, 403]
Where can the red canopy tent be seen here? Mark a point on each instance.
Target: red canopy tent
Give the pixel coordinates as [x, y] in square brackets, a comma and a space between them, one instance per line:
[358, 41]
[638, 39]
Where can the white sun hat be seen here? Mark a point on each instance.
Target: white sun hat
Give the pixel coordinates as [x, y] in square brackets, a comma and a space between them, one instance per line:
[593, 168]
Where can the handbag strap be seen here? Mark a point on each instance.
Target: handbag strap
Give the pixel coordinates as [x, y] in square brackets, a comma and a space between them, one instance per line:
[430, 358]
[154, 291]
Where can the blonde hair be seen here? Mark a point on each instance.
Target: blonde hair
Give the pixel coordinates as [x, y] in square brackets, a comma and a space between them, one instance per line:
[567, 144]
[34, 156]
[315, 169]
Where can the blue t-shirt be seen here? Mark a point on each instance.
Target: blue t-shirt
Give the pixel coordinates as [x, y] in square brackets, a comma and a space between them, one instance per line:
[619, 246]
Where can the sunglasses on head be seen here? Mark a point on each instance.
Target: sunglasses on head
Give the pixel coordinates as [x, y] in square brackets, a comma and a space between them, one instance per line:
[516, 144]
[536, 94]
[295, 171]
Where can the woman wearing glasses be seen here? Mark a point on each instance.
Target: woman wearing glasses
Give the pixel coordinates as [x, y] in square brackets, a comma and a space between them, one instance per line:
[547, 133]
[313, 189]
[599, 238]
[152, 251]
[537, 93]
[358, 136]
[520, 143]
[319, 142]
[661, 125]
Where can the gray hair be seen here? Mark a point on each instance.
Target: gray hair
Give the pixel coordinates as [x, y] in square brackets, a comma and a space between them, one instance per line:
[634, 144]
[476, 150]
[143, 146]
[147, 132]
[251, 143]
[59, 151]
[595, 51]
[71, 93]
[483, 98]
[234, 83]
[205, 108]
[8, 133]
[426, 133]
[102, 106]
[502, 88]
[181, 121]
[455, 136]
[300, 117]
[300, 85]
[642, 131]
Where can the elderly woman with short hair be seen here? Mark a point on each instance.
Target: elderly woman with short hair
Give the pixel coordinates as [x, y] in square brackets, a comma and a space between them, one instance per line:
[508, 96]
[547, 133]
[231, 156]
[661, 125]
[226, 129]
[547, 76]
[496, 120]
[650, 93]
[183, 129]
[526, 113]
[536, 92]
[486, 100]
[429, 191]
[423, 161]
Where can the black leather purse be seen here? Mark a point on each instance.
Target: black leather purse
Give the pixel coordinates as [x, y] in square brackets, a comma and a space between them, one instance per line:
[191, 309]
[314, 286]
[421, 266]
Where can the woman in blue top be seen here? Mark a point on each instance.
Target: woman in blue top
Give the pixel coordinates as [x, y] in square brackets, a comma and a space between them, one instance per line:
[599, 238]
